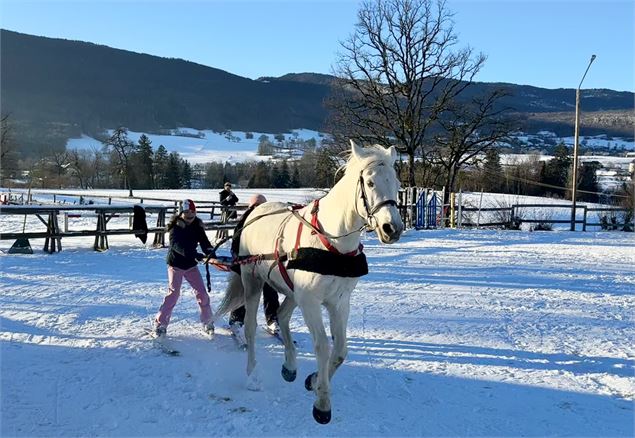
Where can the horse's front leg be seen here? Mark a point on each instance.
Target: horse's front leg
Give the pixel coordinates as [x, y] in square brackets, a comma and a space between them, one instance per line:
[253, 288]
[338, 317]
[289, 367]
[318, 382]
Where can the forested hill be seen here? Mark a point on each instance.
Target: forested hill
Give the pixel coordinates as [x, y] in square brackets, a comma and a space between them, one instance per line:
[54, 88]
[96, 86]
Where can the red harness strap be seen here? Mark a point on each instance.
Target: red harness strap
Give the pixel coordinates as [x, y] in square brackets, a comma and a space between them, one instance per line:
[318, 226]
[281, 267]
[327, 244]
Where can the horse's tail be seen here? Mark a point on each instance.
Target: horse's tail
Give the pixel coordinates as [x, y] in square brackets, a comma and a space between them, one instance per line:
[234, 296]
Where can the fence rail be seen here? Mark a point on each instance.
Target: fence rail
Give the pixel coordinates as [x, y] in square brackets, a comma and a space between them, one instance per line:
[53, 234]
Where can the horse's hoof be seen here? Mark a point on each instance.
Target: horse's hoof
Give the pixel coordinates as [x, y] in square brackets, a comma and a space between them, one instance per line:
[322, 417]
[307, 382]
[289, 375]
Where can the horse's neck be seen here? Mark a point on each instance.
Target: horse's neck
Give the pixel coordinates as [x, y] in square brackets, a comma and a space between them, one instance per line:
[338, 216]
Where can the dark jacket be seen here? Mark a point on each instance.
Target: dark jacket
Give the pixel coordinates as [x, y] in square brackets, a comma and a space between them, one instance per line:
[228, 198]
[184, 240]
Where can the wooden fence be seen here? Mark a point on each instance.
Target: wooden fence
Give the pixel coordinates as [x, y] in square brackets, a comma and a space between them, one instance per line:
[53, 234]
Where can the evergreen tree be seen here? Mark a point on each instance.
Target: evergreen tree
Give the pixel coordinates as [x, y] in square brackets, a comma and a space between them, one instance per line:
[492, 171]
[161, 168]
[186, 175]
[556, 171]
[588, 181]
[143, 165]
[275, 176]
[325, 168]
[295, 178]
[173, 174]
[261, 176]
[281, 178]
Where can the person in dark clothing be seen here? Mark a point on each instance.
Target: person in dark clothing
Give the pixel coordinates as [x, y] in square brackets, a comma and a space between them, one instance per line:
[227, 199]
[186, 232]
[270, 295]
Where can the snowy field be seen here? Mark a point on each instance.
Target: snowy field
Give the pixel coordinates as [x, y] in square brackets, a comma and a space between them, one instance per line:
[203, 146]
[206, 146]
[453, 333]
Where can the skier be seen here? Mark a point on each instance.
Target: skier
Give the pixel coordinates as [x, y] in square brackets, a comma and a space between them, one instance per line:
[186, 232]
[270, 296]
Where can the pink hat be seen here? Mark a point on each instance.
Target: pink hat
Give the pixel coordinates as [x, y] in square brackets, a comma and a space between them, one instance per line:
[188, 205]
[257, 199]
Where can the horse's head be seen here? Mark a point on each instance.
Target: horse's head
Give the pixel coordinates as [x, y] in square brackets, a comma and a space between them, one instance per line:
[377, 189]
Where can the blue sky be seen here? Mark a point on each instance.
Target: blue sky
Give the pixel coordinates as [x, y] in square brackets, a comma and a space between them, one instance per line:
[542, 43]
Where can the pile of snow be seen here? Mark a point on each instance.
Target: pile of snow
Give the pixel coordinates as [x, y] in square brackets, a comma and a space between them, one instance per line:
[452, 333]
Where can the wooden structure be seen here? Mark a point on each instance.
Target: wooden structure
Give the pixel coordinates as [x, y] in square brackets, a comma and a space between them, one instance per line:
[53, 234]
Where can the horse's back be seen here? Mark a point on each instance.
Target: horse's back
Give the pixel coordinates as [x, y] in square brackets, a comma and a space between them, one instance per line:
[264, 225]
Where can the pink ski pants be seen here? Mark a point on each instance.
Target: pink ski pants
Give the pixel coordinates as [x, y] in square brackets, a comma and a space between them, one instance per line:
[175, 280]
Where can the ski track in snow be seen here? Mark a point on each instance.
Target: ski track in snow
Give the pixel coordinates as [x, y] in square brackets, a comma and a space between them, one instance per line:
[453, 333]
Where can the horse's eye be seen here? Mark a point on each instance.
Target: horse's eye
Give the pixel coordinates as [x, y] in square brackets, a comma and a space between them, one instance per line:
[370, 184]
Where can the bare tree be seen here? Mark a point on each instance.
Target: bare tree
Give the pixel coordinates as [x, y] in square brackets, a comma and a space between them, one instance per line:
[60, 162]
[80, 166]
[8, 160]
[398, 72]
[123, 148]
[468, 130]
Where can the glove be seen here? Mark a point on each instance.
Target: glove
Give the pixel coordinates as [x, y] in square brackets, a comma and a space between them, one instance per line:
[200, 256]
[210, 253]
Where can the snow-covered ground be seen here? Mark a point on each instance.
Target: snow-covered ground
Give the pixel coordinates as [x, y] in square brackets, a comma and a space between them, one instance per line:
[452, 333]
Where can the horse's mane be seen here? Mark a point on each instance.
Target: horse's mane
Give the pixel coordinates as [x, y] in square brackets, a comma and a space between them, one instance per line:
[372, 153]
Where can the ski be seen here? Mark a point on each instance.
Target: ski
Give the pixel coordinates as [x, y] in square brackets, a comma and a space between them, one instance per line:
[162, 344]
[276, 334]
[239, 337]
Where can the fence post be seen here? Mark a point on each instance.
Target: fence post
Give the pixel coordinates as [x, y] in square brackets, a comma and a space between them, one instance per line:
[452, 224]
[52, 228]
[159, 236]
[478, 216]
[584, 220]
[460, 213]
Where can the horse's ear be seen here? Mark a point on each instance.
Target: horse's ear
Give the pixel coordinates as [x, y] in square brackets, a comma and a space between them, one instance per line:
[357, 151]
[393, 153]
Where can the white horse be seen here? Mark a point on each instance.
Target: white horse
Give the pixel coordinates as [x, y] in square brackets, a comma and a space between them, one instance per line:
[323, 237]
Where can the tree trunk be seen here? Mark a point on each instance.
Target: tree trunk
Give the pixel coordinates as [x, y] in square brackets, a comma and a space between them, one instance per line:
[411, 170]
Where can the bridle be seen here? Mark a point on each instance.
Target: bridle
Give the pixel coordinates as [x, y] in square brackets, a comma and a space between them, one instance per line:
[370, 221]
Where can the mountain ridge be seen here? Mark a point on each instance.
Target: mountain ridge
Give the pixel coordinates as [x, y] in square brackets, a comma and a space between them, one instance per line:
[56, 88]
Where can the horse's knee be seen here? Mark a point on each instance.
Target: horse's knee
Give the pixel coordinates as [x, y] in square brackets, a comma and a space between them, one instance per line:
[321, 348]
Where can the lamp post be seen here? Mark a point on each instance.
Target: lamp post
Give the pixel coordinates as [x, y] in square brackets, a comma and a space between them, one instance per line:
[574, 183]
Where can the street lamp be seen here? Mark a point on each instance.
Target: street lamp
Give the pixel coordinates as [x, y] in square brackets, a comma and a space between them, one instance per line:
[574, 183]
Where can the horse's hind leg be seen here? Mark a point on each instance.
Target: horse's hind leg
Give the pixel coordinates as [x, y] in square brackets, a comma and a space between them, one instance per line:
[318, 382]
[253, 287]
[289, 367]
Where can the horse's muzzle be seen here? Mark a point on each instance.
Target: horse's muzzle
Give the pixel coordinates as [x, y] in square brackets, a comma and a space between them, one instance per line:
[390, 232]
